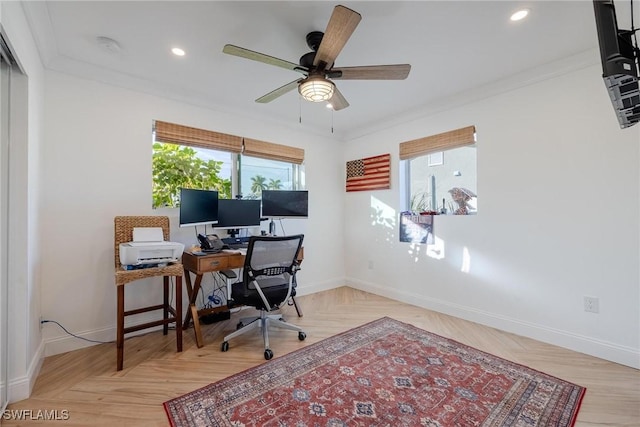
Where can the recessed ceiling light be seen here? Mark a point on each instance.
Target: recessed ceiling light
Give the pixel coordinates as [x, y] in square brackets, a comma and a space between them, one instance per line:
[519, 15]
[177, 51]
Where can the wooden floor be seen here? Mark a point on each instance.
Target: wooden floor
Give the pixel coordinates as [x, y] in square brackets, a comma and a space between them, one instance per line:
[85, 382]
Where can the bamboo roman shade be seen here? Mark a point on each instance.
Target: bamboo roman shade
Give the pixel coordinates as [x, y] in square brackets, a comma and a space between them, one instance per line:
[269, 150]
[185, 135]
[440, 142]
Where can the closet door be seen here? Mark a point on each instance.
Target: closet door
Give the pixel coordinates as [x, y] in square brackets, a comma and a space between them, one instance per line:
[5, 76]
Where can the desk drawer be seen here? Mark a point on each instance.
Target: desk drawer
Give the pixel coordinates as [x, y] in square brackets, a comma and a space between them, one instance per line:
[208, 263]
[236, 261]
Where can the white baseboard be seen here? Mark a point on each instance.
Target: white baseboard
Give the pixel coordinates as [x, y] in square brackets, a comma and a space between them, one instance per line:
[605, 350]
[312, 288]
[66, 343]
[623, 355]
[20, 388]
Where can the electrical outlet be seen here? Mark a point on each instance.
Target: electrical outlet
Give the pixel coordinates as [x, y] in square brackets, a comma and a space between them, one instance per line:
[592, 304]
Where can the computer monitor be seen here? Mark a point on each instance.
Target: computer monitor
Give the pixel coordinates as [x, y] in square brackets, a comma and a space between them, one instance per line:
[233, 213]
[285, 203]
[198, 207]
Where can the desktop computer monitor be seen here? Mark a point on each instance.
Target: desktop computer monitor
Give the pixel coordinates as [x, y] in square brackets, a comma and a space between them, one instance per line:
[233, 213]
[198, 207]
[285, 203]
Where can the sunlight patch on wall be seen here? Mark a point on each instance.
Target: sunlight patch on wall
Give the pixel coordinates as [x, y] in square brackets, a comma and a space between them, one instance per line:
[495, 273]
[436, 250]
[466, 260]
[414, 253]
[385, 216]
[382, 214]
[417, 251]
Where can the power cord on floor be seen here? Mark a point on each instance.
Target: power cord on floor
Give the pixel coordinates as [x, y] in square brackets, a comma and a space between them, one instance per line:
[74, 335]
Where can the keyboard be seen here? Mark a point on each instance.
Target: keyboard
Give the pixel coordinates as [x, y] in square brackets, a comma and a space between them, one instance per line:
[211, 251]
[239, 246]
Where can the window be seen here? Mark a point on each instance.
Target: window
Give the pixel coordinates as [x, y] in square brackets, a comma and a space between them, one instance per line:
[267, 166]
[258, 174]
[432, 184]
[232, 165]
[435, 159]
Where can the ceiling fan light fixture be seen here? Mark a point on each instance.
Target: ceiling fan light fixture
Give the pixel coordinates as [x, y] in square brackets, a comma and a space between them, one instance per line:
[316, 89]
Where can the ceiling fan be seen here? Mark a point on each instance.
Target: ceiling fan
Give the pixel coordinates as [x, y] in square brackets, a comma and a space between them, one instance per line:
[317, 65]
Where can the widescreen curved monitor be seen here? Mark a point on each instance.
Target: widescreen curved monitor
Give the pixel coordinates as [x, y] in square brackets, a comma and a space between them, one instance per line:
[285, 203]
[198, 207]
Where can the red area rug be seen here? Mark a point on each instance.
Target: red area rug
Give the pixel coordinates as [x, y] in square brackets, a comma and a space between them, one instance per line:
[384, 373]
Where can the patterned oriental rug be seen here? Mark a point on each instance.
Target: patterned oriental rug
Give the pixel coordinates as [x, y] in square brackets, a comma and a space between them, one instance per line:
[384, 373]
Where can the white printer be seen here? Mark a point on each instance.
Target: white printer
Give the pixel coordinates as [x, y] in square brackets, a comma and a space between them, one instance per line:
[149, 248]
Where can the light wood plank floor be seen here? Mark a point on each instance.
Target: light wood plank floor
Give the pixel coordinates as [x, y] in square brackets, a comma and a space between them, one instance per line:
[85, 382]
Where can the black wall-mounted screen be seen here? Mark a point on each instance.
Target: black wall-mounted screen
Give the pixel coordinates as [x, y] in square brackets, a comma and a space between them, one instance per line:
[285, 203]
[198, 207]
[619, 64]
[234, 213]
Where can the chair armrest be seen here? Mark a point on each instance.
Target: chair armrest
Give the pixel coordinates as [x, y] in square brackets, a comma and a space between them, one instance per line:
[265, 301]
[229, 274]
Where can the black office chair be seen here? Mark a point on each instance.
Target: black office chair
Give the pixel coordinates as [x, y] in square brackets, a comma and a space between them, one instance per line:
[268, 281]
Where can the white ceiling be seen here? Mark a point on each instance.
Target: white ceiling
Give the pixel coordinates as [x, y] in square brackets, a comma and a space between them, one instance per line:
[456, 48]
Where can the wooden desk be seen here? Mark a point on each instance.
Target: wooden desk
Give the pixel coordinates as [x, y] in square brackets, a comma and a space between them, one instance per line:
[201, 264]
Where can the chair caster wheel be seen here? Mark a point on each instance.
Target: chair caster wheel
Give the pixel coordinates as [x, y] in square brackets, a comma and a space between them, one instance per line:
[301, 336]
[240, 325]
[224, 346]
[268, 354]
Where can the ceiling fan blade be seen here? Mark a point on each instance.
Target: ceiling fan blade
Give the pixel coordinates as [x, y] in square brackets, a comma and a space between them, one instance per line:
[261, 57]
[337, 101]
[342, 24]
[371, 72]
[278, 92]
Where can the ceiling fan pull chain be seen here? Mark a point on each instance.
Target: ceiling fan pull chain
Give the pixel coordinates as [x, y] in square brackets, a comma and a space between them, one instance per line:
[300, 110]
[331, 120]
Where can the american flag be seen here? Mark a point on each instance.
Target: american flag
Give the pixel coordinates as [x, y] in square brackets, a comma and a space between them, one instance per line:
[372, 173]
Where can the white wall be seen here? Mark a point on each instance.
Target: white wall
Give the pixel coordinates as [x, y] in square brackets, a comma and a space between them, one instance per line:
[558, 189]
[559, 213]
[25, 347]
[98, 165]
